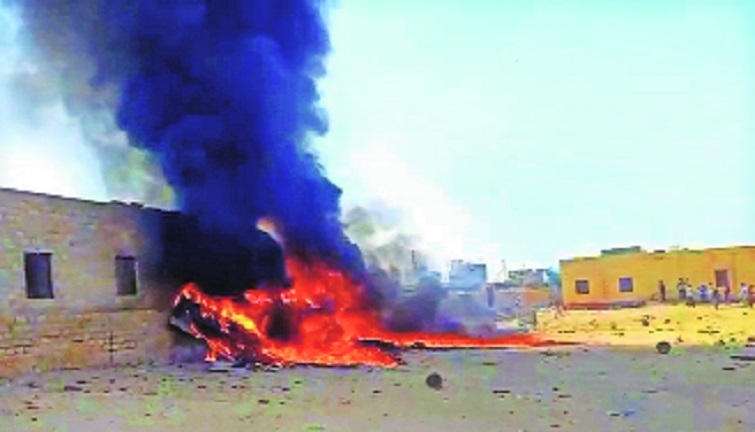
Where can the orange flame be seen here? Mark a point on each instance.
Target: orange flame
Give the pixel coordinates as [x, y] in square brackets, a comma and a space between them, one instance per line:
[330, 320]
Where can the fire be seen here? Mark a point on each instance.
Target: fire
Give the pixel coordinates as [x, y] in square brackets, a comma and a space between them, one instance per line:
[329, 324]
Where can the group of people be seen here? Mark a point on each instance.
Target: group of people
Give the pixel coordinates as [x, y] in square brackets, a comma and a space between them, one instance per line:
[710, 293]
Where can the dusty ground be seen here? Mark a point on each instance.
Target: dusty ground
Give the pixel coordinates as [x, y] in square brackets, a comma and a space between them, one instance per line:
[703, 325]
[576, 389]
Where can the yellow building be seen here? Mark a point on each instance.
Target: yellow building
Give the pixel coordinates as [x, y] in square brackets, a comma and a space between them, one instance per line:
[632, 275]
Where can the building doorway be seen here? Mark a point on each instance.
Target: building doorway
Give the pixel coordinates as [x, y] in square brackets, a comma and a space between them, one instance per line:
[722, 278]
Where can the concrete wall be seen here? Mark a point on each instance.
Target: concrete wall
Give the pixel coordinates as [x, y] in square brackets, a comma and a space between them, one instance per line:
[647, 268]
[86, 319]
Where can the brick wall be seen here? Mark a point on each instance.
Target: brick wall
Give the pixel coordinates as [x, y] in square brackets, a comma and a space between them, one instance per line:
[59, 341]
[74, 328]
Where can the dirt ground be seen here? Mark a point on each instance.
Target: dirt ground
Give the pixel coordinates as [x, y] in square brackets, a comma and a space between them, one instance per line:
[591, 388]
[703, 325]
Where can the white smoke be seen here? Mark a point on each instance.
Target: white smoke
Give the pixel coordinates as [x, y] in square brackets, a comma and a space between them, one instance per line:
[438, 225]
[377, 231]
[57, 132]
[42, 147]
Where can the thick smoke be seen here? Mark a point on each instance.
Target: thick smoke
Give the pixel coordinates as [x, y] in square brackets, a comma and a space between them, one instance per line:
[222, 94]
[397, 264]
[377, 231]
[48, 75]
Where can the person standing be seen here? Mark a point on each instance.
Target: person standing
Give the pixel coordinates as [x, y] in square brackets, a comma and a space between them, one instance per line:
[662, 291]
[716, 297]
[702, 293]
[558, 305]
[743, 292]
[681, 288]
[727, 294]
[690, 297]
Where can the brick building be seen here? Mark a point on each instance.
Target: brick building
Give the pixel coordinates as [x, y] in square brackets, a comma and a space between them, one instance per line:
[80, 283]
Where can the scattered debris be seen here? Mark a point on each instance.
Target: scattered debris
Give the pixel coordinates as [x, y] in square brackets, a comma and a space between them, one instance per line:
[434, 381]
[748, 351]
[220, 366]
[623, 413]
[663, 347]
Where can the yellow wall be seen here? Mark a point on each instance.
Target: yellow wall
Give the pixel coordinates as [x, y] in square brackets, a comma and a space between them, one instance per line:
[647, 268]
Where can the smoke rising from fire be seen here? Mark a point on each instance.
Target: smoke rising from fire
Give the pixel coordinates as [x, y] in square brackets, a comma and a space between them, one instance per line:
[221, 94]
[53, 117]
[396, 262]
[379, 235]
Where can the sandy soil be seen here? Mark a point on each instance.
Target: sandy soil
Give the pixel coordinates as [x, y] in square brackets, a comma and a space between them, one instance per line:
[703, 325]
[575, 389]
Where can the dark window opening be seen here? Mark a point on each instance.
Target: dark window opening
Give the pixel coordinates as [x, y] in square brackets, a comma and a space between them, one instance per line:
[626, 285]
[125, 275]
[582, 286]
[38, 274]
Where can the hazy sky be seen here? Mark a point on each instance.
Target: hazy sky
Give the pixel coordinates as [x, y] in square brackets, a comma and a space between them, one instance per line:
[41, 150]
[523, 130]
[548, 129]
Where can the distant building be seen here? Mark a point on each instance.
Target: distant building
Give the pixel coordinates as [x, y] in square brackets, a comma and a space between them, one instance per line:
[466, 276]
[630, 276]
[529, 277]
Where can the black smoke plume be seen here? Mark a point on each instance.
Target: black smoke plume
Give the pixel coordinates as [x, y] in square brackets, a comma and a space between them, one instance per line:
[223, 95]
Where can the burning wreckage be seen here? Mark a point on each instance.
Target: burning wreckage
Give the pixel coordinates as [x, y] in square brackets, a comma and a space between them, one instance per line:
[303, 311]
[223, 96]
